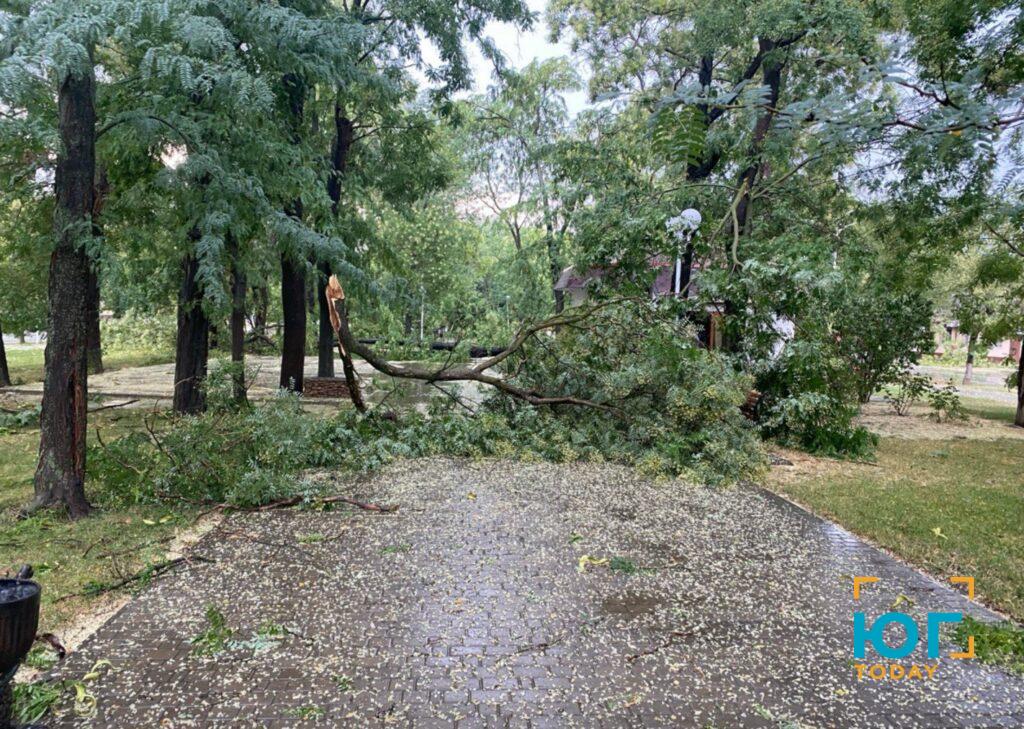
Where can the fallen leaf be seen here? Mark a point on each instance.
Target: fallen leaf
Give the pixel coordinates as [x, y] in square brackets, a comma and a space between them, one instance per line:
[937, 531]
[586, 559]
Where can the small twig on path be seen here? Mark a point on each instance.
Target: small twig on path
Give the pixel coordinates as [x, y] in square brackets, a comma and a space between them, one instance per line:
[126, 403]
[148, 572]
[668, 643]
[296, 500]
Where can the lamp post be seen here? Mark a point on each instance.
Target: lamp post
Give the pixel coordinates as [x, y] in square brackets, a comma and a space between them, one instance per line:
[683, 227]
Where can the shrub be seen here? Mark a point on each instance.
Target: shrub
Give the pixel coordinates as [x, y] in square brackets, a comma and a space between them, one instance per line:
[908, 388]
[945, 403]
[808, 402]
[819, 423]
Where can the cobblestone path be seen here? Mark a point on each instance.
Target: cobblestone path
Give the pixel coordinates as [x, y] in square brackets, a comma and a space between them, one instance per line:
[528, 595]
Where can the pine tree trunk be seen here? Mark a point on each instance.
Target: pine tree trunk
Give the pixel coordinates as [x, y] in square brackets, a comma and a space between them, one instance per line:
[193, 346]
[238, 287]
[293, 306]
[60, 475]
[5, 373]
[325, 339]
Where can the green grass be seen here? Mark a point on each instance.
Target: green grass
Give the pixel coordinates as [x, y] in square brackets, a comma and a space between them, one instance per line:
[26, 365]
[998, 643]
[971, 491]
[74, 557]
[1002, 412]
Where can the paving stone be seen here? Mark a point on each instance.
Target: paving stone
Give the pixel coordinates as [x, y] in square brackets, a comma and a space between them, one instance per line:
[740, 614]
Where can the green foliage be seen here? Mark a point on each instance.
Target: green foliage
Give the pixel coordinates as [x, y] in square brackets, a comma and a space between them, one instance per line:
[32, 701]
[136, 331]
[623, 565]
[819, 423]
[1001, 644]
[675, 406]
[21, 418]
[216, 637]
[945, 402]
[908, 388]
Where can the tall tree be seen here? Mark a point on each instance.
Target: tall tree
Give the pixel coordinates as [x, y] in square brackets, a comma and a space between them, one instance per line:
[515, 135]
[60, 476]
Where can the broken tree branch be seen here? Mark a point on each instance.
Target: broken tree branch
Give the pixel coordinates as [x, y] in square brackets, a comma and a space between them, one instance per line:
[477, 372]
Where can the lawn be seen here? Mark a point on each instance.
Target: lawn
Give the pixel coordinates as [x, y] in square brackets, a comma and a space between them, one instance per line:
[76, 557]
[950, 506]
[26, 364]
[1002, 412]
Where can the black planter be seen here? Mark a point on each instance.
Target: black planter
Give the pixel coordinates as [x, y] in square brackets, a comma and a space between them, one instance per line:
[19, 619]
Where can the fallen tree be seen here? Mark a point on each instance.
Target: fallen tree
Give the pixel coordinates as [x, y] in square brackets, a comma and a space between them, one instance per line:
[477, 372]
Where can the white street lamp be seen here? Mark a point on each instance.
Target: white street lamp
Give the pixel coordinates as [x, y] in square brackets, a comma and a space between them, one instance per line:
[683, 226]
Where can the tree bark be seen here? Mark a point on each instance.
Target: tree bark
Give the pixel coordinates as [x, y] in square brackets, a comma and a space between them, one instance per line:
[293, 268]
[5, 373]
[325, 339]
[238, 287]
[344, 135]
[95, 348]
[293, 306]
[193, 346]
[60, 475]
[771, 73]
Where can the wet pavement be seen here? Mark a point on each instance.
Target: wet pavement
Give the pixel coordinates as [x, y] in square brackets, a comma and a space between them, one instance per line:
[505, 594]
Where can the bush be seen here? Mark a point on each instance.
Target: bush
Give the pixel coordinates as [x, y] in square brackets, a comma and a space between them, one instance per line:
[819, 423]
[808, 402]
[908, 388]
[945, 403]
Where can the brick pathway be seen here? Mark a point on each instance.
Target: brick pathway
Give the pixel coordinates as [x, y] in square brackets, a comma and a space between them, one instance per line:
[469, 607]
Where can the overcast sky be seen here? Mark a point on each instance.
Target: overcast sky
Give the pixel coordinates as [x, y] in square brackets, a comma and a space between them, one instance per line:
[521, 48]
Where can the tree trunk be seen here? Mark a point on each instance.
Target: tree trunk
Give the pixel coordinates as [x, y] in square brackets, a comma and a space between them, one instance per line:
[193, 346]
[771, 72]
[554, 260]
[325, 340]
[293, 268]
[969, 368]
[60, 475]
[238, 287]
[1019, 418]
[344, 134]
[293, 305]
[5, 374]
